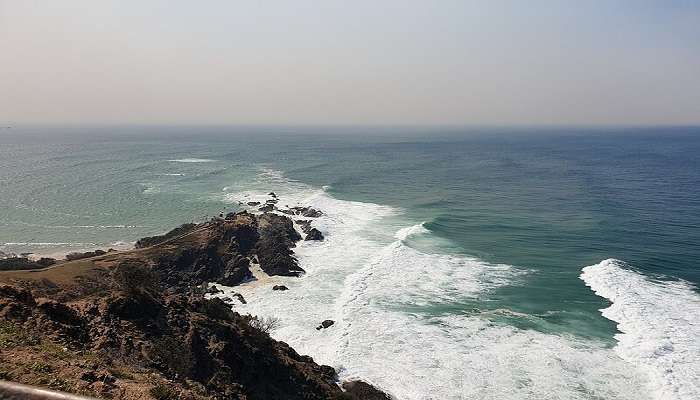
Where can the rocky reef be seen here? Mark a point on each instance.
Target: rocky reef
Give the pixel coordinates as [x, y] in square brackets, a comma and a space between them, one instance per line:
[137, 324]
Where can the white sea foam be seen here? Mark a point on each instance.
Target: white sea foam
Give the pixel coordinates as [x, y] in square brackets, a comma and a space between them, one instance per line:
[404, 233]
[395, 319]
[193, 160]
[660, 325]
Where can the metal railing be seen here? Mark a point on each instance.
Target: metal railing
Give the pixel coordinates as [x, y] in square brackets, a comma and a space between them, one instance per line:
[16, 391]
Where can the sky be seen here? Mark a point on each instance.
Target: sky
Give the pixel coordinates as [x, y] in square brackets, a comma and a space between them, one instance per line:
[403, 62]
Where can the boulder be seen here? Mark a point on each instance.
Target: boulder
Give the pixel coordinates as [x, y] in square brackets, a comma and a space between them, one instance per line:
[280, 287]
[314, 234]
[325, 324]
[253, 203]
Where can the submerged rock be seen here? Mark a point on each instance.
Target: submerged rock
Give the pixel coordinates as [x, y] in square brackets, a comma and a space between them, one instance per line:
[280, 287]
[253, 203]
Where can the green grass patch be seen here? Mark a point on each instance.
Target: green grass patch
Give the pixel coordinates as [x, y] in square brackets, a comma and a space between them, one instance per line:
[163, 392]
[12, 335]
[42, 367]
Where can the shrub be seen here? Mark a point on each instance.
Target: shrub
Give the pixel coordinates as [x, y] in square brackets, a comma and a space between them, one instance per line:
[163, 392]
[133, 277]
[265, 324]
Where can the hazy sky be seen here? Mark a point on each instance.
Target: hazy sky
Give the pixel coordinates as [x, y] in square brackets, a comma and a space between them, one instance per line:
[350, 62]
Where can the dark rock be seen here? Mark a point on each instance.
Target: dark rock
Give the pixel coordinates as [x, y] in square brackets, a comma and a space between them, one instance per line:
[133, 307]
[277, 236]
[359, 390]
[59, 312]
[97, 376]
[253, 203]
[280, 287]
[325, 324]
[307, 212]
[89, 376]
[272, 201]
[17, 294]
[236, 271]
[314, 234]
[213, 290]
[287, 211]
[267, 208]
[305, 225]
[272, 194]
[215, 308]
[311, 213]
[240, 298]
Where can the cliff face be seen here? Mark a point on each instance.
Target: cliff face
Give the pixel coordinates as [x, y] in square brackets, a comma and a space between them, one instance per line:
[136, 324]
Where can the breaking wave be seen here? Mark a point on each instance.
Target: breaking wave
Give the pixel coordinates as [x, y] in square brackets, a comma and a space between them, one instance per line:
[397, 313]
[659, 323]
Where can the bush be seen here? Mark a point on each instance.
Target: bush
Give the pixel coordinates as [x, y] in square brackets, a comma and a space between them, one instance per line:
[265, 324]
[77, 256]
[23, 263]
[133, 278]
[163, 392]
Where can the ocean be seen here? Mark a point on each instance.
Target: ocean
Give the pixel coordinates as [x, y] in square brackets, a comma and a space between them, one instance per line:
[475, 263]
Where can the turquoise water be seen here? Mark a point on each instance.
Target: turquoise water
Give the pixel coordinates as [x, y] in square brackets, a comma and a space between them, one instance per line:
[545, 203]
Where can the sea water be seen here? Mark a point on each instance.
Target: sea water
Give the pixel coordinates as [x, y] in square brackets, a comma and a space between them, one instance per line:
[475, 263]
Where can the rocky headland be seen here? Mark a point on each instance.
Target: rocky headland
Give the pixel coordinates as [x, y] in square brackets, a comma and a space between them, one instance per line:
[139, 323]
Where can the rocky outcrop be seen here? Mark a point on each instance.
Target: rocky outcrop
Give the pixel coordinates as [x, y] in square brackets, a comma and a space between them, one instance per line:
[182, 337]
[137, 324]
[277, 237]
